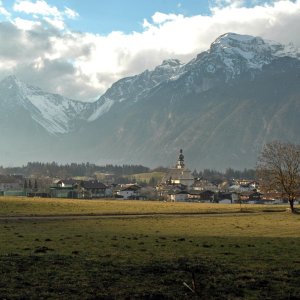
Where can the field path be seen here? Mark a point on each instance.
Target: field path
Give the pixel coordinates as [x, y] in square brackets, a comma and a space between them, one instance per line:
[134, 215]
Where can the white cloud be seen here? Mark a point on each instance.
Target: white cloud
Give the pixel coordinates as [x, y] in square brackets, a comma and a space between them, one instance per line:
[55, 22]
[83, 65]
[70, 13]
[50, 14]
[159, 18]
[4, 11]
[39, 7]
[25, 24]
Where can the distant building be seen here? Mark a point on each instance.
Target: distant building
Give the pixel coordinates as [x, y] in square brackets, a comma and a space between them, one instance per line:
[178, 196]
[129, 192]
[82, 189]
[202, 196]
[203, 184]
[176, 182]
[11, 185]
[179, 174]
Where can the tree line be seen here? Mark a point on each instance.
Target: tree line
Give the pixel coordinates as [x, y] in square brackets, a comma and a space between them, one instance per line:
[54, 169]
[71, 170]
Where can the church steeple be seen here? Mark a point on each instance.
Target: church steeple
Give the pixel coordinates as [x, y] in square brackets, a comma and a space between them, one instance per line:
[180, 162]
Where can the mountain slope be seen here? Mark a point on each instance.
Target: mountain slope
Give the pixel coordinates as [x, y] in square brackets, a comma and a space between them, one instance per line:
[53, 112]
[32, 122]
[134, 88]
[220, 108]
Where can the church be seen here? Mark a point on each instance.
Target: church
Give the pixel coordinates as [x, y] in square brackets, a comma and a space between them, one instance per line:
[179, 175]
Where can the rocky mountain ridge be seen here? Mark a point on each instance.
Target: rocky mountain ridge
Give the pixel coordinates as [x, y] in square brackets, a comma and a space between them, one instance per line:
[220, 107]
[53, 112]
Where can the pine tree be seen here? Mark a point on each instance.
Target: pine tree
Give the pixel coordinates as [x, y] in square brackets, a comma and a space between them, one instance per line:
[29, 184]
[35, 185]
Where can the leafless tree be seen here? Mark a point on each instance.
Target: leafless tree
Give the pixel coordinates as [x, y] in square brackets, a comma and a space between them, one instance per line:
[278, 170]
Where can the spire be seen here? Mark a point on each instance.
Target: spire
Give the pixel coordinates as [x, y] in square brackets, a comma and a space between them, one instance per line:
[180, 162]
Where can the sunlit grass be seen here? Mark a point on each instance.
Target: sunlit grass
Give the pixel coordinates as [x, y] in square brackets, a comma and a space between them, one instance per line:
[14, 206]
[113, 235]
[236, 256]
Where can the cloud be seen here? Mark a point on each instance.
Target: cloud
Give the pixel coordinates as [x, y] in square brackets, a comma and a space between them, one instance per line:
[229, 3]
[50, 14]
[25, 24]
[70, 13]
[83, 65]
[3, 11]
[159, 18]
[39, 8]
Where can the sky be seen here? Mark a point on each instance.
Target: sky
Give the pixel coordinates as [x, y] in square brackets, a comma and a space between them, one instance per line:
[80, 48]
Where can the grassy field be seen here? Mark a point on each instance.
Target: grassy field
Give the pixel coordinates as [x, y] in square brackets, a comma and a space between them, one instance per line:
[17, 206]
[230, 256]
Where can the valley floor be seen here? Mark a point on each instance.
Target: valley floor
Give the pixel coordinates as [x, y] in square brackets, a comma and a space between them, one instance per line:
[219, 256]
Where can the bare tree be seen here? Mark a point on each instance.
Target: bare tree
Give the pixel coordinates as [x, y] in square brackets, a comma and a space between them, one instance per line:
[278, 169]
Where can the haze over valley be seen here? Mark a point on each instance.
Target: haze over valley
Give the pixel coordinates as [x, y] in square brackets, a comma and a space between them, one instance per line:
[221, 107]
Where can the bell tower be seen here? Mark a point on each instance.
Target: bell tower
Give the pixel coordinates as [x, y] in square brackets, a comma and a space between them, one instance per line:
[180, 161]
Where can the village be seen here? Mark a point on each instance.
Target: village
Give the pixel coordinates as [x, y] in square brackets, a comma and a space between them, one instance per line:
[177, 185]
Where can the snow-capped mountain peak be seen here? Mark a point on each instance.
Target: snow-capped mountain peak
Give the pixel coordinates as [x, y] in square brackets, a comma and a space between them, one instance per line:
[228, 57]
[131, 89]
[53, 112]
[254, 52]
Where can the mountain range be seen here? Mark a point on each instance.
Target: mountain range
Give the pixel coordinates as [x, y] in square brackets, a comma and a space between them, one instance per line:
[220, 108]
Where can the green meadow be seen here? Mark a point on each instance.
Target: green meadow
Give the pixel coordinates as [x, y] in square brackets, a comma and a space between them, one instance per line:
[169, 251]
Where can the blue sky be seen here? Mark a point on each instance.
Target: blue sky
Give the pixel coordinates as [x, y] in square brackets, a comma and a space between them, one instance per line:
[117, 15]
[104, 16]
[79, 48]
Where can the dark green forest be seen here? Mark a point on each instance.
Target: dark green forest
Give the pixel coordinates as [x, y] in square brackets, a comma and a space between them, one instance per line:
[53, 169]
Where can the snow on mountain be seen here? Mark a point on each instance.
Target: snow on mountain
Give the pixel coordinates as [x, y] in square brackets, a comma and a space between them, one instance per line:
[237, 53]
[101, 109]
[229, 56]
[53, 112]
[131, 89]
[254, 50]
[222, 107]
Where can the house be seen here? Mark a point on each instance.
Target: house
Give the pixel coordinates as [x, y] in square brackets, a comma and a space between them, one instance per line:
[64, 189]
[201, 196]
[91, 189]
[129, 192]
[227, 197]
[11, 182]
[82, 189]
[178, 196]
[246, 183]
[251, 197]
[164, 190]
[243, 185]
[225, 201]
[203, 184]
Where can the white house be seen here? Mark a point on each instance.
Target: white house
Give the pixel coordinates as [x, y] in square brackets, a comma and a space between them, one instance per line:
[225, 201]
[129, 192]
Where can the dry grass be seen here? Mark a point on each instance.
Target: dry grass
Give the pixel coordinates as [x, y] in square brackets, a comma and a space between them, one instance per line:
[233, 256]
[16, 206]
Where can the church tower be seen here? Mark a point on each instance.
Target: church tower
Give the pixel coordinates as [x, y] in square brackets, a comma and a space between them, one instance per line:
[179, 174]
[180, 161]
